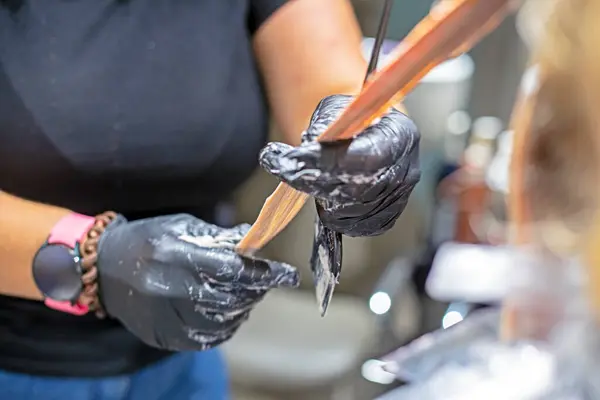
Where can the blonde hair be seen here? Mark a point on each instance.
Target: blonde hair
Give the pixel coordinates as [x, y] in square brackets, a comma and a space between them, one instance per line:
[555, 171]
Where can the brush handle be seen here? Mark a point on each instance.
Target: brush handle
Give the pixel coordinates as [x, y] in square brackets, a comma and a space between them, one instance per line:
[277, 212]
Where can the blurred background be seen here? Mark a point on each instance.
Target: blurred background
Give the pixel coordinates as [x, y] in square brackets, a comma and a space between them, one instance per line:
[286, 350]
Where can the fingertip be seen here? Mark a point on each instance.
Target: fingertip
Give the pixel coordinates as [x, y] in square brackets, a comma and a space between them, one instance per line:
[270, 158]
[274, 150]
[284, 275]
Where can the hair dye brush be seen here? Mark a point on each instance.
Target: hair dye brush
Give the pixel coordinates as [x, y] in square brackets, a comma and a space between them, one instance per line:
[451, 28]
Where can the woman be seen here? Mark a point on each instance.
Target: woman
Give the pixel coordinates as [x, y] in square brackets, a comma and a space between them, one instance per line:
[154, 109]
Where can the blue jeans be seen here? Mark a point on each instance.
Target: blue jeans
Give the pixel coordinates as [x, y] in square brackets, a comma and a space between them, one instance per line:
[185, 376]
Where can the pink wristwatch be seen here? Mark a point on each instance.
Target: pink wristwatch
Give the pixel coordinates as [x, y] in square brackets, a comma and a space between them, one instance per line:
[56, 266]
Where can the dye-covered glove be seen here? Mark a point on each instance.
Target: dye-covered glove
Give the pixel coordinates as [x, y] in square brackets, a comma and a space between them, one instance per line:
[362, 185]
[177, 283]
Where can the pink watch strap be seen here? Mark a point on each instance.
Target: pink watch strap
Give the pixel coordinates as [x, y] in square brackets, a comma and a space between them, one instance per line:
[71, 229]
[66, 307]
[68, 231]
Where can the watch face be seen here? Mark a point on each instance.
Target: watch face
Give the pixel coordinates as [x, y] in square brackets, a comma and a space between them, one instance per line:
[57, 273]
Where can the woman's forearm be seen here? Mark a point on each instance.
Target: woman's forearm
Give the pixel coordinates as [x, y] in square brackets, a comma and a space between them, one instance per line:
[24, 227]
[307, 50]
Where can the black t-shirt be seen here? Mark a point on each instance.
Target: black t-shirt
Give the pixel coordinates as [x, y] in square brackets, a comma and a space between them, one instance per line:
[140, 106]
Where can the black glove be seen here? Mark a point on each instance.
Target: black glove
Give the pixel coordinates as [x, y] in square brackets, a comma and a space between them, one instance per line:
[362, 185]
[176, 282]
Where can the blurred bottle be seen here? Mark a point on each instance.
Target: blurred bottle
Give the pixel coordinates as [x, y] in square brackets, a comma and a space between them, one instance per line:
[444, 217]
[472, 194]
[470, 184]
[443, 220]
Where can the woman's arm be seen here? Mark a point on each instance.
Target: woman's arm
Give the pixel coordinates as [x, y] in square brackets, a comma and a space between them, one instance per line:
[307, 50]
[24, 227]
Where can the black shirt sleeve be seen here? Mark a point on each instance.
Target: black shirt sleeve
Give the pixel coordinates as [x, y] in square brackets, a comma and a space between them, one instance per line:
[260, 11]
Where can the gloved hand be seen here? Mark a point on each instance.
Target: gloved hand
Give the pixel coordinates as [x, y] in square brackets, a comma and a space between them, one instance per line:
[176, 282]
[362, 185]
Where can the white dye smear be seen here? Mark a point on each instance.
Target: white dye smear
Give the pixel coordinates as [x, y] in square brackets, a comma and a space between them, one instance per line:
[290, 164]
[199, 337]
[325, 281]
[221, 241]
[325, 277]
